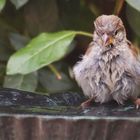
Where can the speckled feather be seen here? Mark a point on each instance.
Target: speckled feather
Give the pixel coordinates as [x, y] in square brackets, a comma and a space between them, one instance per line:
[109, 73]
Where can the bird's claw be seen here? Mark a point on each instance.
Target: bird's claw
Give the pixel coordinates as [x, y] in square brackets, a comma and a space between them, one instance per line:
[137, 103]
[137, 106]
[87, 103]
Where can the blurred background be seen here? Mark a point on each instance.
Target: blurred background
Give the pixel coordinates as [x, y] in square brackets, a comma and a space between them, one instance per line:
[22, 20]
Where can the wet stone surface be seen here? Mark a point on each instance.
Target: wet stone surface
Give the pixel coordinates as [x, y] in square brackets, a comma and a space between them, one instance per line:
[30, 116]
[64, 104]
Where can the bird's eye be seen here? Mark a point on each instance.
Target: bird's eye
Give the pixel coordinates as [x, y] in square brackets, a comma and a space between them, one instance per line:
[116, 32]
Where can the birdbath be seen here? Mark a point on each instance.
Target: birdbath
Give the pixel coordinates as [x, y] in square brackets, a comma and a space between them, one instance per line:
[29, 116]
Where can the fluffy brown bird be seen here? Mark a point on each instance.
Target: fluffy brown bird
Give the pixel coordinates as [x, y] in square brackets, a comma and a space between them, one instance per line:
[110, 69]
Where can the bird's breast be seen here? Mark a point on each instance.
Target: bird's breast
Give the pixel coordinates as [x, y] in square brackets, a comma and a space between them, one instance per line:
[110, 69]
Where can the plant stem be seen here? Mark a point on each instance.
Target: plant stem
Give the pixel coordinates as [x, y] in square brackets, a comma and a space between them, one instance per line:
[55, 71]
[94, 9]
[118, 7]
[84, 33]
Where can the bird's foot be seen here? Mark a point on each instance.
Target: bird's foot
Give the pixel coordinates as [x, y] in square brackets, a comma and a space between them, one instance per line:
[87, 103]
[137, 102]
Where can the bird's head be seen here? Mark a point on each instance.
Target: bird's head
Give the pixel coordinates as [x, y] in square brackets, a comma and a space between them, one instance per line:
[109, 31]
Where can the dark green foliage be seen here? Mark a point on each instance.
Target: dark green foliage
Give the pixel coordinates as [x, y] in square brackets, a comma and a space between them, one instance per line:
[32, 37]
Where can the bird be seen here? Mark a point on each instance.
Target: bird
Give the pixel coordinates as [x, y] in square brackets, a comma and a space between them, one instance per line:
[110, 68]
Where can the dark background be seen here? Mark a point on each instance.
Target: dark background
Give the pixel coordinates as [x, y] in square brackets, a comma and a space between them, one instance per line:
[21, 20]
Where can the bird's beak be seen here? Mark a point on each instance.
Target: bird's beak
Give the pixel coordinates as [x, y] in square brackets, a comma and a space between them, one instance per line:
[108, 40]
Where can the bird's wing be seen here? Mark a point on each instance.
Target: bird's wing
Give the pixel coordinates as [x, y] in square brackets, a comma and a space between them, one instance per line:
[134, 49]
[89, 48]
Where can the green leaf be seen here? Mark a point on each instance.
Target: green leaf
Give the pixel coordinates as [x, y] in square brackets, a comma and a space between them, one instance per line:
[19, 3]
[18, 41]
[24, 82]
[134, 3]
[2, 4]
[5, 52]
[2, 74]
[38, 18]
[51, 84]
[41, 51]
[133, 18]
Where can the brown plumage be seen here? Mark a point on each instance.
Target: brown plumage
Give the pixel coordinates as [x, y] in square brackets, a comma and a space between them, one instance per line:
[110, 69]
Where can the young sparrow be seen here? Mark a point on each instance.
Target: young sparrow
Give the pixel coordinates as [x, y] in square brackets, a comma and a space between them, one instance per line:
[110, 69]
